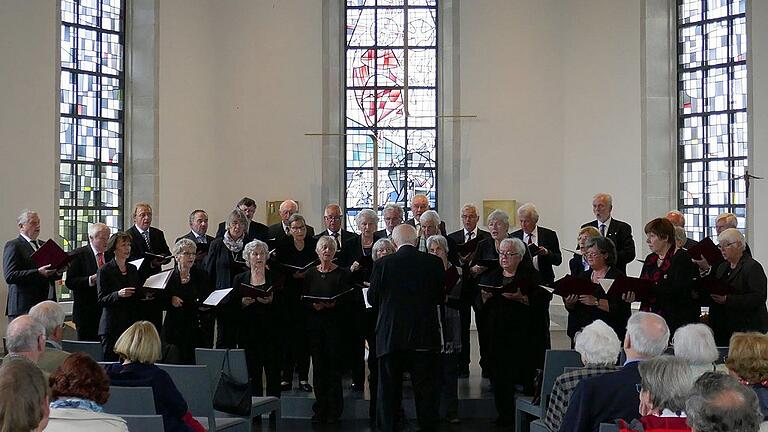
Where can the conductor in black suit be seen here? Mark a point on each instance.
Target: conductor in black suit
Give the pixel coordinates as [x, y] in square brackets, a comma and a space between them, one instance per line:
[148, 239]
[332, 218]
[282, 229]
[28, 284]
[256, 230]
[548, 253]
[81, 280]
[619, 232]
[419, 205]
[407, 287]
[198, 229]
[470, 231]
[393, 216]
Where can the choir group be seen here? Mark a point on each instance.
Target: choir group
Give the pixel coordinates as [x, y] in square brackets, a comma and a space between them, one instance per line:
[287, 295]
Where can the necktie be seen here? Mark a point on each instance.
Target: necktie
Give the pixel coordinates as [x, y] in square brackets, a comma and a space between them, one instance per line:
[530, 239]
[145, 234]
[287, 230]
[338, 243]
[469, 236]
[602, 229]
[34, 244]
[201, 239]
[100, 259]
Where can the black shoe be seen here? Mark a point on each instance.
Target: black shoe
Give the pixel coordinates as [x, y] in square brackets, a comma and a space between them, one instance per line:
[305, 387]
[356, 387]
[285, 386]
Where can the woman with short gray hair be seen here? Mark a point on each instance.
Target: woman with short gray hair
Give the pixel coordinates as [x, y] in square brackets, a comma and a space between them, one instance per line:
[695, 343]
[666, 383]
[487, 253]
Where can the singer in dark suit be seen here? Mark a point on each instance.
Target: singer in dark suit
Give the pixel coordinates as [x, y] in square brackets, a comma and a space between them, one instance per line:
[393, 216]
[469, 232]
[548, 253]
[117, 283]
[281, 230]
[332, 217]
[619, 232]
[28, 284]
[198, 227]
[148, 239]
[408, 287]
[81, 280]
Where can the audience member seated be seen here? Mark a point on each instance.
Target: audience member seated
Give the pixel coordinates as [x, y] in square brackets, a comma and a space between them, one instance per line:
[51, 316]
[666, 384]
[719, 403]
[25, 337]
[139, 349]
[748, 362]
[79, 387]
[23, 396]
[612, 396]
[599, 348]
[696, 344]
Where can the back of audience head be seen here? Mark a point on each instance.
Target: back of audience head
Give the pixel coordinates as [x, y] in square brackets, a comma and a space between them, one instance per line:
[696, 344]
[140, 343]
[23, 396]
[666, 384]
[79, 376]
[598, 344]
[719, 403]
[25, 336]
[748, 357]
[51, 315]
[647, 336]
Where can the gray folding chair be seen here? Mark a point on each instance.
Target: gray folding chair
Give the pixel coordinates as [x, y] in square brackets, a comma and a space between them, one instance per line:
[144, 423]
[214, 358]
[188, 379]
[554, 363]
[93, 349]
[130, 400]
[538, 426]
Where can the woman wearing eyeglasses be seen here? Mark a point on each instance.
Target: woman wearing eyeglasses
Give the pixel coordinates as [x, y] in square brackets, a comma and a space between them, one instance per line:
[514, 307]
[742, 309]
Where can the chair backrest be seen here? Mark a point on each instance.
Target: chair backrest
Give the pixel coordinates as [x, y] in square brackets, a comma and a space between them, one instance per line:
[722, 355]
[93, 349]
[188, 379]
[554, 363]
[214, 359]
[570, 369]
[608, 427]
[130, 401]
[144, 423]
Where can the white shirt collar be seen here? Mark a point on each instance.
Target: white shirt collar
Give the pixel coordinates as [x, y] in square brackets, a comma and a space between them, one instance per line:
[95, 252]
[141, 231]
[669, 413]
[607, 223]
[474, 232]
[534, 234]
[29, 240]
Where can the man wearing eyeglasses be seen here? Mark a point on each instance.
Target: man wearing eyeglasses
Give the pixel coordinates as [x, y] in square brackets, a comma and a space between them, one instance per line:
[332, 219]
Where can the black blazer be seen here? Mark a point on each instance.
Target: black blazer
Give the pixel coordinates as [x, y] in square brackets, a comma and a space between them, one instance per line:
[459, 238]
[621, 234]
[182, 324]
[118, 313]
[139, 247]
[256, 231]
[345, 236]
[191, 236]
[548, 239]
[576, 265]
[26, 286]
[581, 315]
[381, 234]
[468, 285]
[275, 232]
[222, 265]
[85, 309]
[674, 293]
[407, 286]
[412, 222]
[744, 309]
[603, 399]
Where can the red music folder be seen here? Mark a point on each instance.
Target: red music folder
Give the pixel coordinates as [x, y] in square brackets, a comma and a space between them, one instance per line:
[51, 253]
[569, 285]
[624, 284]
[707, 249]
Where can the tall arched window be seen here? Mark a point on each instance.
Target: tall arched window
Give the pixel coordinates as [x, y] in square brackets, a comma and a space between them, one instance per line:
[92, 116]
[712, 112]
[377, 34]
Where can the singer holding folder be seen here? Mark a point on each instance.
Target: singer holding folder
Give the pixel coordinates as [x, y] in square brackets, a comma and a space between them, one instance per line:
[258, 333]
[325, 325]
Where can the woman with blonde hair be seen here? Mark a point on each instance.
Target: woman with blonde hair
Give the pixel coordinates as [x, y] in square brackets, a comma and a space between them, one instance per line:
[748, 362]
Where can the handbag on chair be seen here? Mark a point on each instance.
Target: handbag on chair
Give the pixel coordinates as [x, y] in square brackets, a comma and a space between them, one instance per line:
[232, 396]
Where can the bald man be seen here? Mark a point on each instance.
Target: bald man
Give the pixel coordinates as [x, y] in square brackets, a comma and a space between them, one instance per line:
[420, 204]
[281, 229]
[333, 219]
[678, 219]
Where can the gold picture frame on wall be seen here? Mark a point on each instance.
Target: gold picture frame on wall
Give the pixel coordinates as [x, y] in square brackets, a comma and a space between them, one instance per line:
[509, 206]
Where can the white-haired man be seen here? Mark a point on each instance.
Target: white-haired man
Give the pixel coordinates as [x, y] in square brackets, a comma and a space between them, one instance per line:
[420, 204]
[25, 337]
[51, 316]
[614, 396]
[393, 216]
[332, 218]
[28, 283]
[542, 243]
[81, 280]
[619, 232]
[282, 229]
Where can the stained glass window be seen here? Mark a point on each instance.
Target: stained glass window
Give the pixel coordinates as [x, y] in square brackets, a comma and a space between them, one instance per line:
[712, 112]
[91, 122]
[375, 103]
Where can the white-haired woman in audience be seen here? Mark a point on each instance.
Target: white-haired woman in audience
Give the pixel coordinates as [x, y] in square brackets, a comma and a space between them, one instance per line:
[291, 255]
[742, 308]
[451, 329]
[578, 263]
[513, 311]
[139, 349]
[696, 344]
[358, 257]
[599, 347]
[223, 262]
[186, 290]
[254, 292]
[666, 383]
[325, 326]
